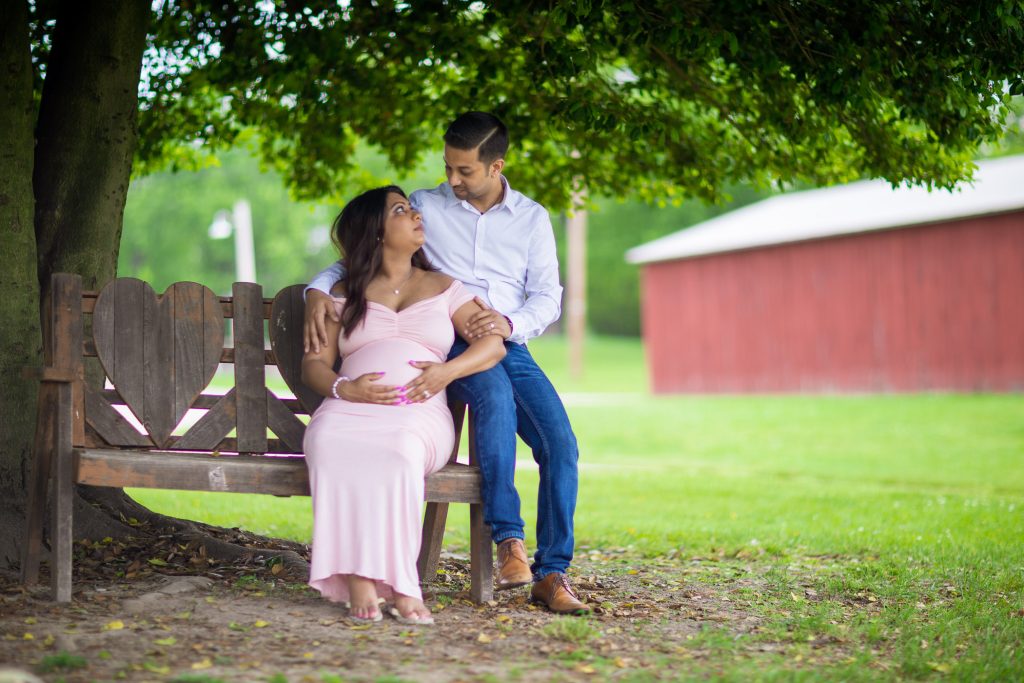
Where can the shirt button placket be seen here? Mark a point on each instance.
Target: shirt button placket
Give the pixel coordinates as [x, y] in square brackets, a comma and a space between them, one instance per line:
[478, 247]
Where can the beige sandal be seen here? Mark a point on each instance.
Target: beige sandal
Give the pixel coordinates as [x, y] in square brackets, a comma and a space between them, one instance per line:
[410, 621]
[378, 616]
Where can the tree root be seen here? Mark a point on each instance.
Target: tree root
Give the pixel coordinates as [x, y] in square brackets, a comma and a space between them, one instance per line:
[108, 513]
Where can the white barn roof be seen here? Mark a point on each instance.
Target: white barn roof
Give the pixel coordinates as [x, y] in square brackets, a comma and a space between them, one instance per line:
[863, 206]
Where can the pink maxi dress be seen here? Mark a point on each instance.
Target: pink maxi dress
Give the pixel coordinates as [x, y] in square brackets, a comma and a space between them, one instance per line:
[367, 462]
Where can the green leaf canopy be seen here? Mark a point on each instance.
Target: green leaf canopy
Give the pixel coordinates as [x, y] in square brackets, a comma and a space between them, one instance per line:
[652, 99]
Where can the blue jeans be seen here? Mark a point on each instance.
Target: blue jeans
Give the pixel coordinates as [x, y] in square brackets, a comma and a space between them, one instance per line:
[513, 397]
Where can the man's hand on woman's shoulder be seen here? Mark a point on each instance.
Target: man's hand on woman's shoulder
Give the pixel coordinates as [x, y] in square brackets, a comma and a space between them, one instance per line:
[318, 307]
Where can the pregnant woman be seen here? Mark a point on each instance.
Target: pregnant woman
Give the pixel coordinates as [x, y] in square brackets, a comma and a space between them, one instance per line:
[385, 423]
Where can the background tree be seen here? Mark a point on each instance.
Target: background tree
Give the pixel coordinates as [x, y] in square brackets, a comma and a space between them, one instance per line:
[660, 99]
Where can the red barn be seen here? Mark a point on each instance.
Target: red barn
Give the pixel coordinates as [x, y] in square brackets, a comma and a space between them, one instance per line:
[857, 288]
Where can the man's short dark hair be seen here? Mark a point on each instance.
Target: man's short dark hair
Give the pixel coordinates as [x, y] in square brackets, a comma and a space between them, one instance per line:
[477, 129]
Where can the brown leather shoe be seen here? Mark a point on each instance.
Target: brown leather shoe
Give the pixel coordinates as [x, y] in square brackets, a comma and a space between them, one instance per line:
[555, 592]
[513, 567]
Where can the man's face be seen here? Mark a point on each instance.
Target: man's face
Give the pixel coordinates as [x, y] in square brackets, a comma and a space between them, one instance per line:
[469, 177]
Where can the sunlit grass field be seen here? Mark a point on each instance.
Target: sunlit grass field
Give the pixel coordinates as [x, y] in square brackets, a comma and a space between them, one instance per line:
[916, 489]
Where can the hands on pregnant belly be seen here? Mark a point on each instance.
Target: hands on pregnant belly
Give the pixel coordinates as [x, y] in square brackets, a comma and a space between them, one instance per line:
[392, 357]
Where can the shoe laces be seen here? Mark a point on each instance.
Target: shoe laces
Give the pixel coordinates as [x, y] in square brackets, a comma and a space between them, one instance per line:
[505, 549]
[564, 580]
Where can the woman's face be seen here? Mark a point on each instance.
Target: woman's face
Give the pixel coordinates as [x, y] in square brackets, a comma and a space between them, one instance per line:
[403, 226]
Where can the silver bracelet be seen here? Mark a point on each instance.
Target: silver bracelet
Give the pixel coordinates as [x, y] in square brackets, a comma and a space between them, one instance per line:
[334, 387]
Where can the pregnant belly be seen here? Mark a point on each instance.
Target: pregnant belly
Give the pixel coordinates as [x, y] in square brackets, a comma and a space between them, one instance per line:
[390, 356]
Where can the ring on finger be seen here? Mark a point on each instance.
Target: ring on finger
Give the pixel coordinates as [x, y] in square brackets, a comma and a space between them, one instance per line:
[426, 393]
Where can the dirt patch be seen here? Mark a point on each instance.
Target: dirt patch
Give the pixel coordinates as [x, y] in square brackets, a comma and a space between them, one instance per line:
[248, 623]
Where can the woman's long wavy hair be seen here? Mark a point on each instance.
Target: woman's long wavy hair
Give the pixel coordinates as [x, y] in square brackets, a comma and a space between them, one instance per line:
[358, 232]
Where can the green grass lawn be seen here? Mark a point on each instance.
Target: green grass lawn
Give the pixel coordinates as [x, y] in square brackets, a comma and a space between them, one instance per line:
[907, 493]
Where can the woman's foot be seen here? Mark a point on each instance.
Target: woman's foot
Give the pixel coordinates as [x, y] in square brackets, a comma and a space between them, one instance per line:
[412, 611]
[363, 602]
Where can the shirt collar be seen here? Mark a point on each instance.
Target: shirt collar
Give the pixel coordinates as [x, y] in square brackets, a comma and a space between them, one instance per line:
[508, 199]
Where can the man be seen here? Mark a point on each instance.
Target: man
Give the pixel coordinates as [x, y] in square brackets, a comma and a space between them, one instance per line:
[500, 244]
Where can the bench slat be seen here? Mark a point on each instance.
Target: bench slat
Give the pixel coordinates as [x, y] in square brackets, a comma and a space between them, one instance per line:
[226, 307]
[281, 476]
[202, 402]
[109, 424]
[250, 380]
[210, 430]
[226, 355]
[288, 428]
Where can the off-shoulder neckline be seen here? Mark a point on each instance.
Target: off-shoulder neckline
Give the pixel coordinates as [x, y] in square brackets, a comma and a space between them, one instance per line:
[401, 310]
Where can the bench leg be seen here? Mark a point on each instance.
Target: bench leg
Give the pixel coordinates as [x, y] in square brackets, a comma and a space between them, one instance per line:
[63, 499]
[481, 569]
[39, 479]
[433, 537]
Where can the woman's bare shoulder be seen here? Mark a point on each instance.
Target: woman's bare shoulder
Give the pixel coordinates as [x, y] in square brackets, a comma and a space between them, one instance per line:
[437, 282]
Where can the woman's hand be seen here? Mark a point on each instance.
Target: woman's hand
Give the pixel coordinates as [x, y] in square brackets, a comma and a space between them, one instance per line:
[434, 378]
[364, 389]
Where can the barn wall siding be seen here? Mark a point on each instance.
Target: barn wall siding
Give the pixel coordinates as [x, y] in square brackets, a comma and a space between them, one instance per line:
[928, 308]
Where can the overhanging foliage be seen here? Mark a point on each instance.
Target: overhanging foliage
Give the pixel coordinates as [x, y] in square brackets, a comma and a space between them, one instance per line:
[656, 99]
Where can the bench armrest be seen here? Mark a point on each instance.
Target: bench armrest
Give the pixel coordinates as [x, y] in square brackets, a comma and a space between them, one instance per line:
[48, 374]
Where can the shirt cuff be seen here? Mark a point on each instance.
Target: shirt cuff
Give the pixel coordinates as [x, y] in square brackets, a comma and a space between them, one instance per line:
[518, 328]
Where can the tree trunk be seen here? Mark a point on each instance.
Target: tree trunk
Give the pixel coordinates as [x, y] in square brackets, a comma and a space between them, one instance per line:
[86, 136]
[87, 132]
[20, 336]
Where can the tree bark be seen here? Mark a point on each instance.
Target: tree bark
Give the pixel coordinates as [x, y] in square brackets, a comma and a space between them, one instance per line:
[20, 335]
[87, 132]
[86, 137]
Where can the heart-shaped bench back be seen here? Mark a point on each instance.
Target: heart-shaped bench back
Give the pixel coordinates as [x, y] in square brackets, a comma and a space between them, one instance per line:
[160, 352]
[287, 315]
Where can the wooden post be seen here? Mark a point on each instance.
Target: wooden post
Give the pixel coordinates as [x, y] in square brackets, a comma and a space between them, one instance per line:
[481, 554]
[61, 520]
[35, 508]
[576, 283]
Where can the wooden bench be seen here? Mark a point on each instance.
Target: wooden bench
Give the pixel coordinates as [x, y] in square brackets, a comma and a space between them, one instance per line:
[160, 353]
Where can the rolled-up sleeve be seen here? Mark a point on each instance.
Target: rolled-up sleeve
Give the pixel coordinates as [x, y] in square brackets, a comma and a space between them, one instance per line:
[326, 278]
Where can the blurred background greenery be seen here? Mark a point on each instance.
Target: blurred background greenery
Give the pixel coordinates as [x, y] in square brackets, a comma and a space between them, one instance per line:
[168, 216]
